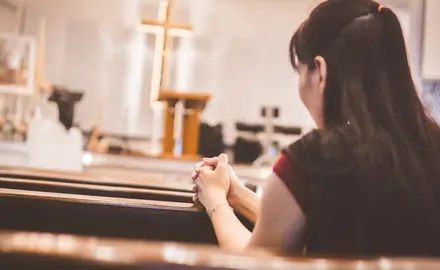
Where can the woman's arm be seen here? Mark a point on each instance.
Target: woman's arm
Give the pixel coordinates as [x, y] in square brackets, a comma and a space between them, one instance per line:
[244, 201]
[280, 226]
[230, 232]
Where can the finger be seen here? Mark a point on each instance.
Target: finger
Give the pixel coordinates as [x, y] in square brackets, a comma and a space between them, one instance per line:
[210, 161]
[223, 163]
[206, 169]
[195, 199]
[223, 159]
[194, 188]
[198, 166]
[194, 176]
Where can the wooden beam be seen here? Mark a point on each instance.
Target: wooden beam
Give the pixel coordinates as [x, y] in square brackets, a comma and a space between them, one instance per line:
[164, 94]
[168, 25]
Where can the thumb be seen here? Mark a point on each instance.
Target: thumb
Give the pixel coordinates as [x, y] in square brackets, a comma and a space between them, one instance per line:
[222, 162]
[223, 159]
[211, 161]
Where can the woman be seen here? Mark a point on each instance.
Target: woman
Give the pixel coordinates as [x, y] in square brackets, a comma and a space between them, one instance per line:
[366, 182]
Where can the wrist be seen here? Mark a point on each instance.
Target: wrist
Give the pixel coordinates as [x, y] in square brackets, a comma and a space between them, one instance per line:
[216, 203]
[234, 194]
[219, 207]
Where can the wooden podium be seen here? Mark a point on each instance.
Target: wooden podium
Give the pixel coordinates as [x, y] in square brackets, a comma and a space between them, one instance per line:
[189, 118]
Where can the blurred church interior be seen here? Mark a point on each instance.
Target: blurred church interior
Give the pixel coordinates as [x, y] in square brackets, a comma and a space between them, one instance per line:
[131, 93]
[121, 57]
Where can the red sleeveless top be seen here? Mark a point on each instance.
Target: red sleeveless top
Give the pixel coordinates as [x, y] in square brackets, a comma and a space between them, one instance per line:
[355, 209]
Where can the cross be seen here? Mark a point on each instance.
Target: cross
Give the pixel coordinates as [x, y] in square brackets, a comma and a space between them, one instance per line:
[165, 31]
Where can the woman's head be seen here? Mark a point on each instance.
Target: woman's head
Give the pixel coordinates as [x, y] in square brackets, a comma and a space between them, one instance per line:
[353, 67]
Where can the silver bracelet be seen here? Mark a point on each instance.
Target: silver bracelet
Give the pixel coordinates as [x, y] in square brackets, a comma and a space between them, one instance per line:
[217, 206]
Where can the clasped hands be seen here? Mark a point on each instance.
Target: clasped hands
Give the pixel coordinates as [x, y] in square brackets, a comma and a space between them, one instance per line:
[214, 182]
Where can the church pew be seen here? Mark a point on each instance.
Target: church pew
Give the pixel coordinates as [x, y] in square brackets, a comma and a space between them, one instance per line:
[104, 216]
[24, 250]
[129, 180]
[96, 190]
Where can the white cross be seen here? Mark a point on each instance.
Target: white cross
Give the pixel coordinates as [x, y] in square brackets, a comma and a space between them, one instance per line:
[164, 30]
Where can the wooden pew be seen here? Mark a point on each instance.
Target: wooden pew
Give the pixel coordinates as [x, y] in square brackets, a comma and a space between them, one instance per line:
[125, 180]
[130, 180]
[96, 190]
[104, 216]
[104, 208]
[22, 250]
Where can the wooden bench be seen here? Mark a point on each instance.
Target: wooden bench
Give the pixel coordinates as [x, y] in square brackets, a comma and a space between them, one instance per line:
[139, 180]
[156, 181]
[23, 250]
[96, 190]
[114, 177]
[105, 216]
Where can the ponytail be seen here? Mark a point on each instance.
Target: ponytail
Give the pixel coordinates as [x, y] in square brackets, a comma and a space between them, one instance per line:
[395, 55]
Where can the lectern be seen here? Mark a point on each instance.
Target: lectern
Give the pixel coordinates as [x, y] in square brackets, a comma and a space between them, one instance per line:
[182, 123]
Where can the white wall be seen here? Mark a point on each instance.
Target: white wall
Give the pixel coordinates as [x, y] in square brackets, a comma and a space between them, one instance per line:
[239, 54]
[88, 48]
[245, 63]
[8, 19]
[248, 52]
[240, 57]
[410, 14]
[431, 44]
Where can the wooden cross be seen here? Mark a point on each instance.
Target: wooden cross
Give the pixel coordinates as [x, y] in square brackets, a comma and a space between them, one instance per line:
[180, 128]
[165, 31]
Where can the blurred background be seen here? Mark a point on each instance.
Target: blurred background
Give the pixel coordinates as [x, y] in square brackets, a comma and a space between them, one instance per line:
[119, 54]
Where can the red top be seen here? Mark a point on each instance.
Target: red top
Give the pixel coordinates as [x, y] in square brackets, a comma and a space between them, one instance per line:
[341, 221]
[353, 200]
[293, 179]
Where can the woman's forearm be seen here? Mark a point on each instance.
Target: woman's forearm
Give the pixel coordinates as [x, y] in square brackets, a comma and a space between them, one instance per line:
[245, 201]
[230, 232]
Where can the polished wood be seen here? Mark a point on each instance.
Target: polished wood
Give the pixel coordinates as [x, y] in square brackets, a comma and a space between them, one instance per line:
[96, 190]
[101, 177]
[194, 103]
[104, 216]
[172, 95]
[191, 130]
[168, 138]
[116, 177]
[25, 250]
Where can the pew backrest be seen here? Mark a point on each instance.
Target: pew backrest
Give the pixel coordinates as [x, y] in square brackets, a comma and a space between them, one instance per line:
[104, 216]
[21, 249]
[95, 190]
[140, 180]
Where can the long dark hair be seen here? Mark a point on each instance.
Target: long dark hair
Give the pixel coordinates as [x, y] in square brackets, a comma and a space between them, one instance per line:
[369, 82]
[369, 89]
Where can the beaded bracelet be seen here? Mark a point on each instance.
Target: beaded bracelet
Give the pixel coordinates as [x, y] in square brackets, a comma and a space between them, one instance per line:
[217, 206]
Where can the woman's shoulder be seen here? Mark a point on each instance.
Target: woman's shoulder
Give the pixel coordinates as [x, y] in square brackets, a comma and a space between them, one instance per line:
[325, 151]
